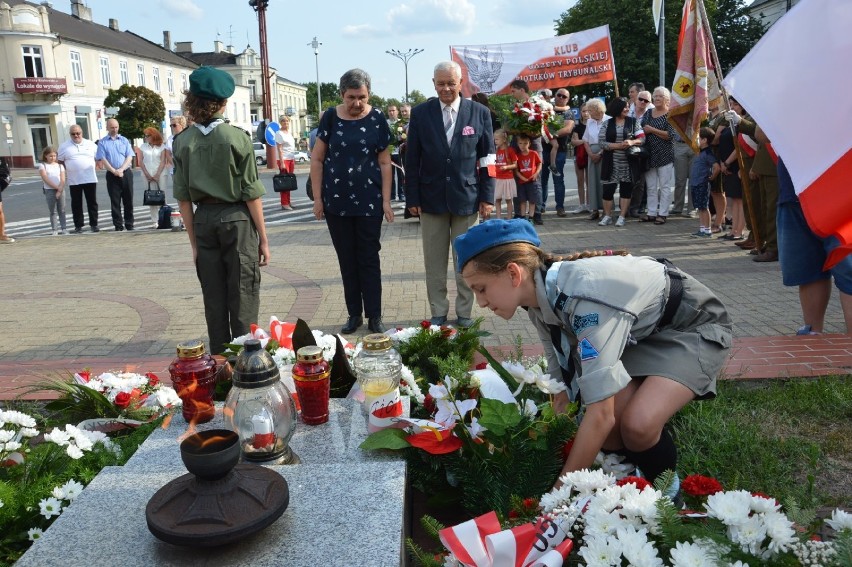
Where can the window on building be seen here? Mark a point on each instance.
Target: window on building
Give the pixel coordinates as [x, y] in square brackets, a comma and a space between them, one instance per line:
[252, 85]
[170, 81]
[156, 71]
[33, 63]
[184, 86]
[125, 75]
[76, 67]
[82, 121]
[105, 71]
[253, 117]
[140, 74]
[245, 113]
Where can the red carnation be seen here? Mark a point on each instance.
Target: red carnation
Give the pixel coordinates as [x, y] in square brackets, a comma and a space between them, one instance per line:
[640, 482]
[86, 375]
[122, 400]
[697, 486]
[481, 366]
[530, 503]
[513, 515]
[152, 379]
[425, 324]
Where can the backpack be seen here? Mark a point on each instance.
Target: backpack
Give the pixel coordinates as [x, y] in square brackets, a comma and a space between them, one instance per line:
[5, 174]
[164, 218]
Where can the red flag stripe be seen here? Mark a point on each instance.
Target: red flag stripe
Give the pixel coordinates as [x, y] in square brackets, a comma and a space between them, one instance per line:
[826, 206]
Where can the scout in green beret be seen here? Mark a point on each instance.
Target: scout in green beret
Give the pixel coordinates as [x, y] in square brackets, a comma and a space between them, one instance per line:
[215, 171]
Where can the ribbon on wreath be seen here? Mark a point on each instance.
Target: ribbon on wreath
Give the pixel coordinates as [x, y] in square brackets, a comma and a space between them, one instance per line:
[482, 543]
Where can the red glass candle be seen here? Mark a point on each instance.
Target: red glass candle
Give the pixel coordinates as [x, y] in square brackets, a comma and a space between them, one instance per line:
[193, 375]
[312, 376]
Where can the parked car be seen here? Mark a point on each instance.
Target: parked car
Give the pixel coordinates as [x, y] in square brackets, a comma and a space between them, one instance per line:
[302, 157]
[260, 153]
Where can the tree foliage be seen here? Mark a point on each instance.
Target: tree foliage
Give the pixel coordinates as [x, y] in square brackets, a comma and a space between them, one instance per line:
[329, 94]
[635, 43]
[138, 108]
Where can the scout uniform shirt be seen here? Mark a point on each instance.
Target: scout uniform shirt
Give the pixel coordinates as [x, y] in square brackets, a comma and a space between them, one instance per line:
[223, 165]
[607, 313]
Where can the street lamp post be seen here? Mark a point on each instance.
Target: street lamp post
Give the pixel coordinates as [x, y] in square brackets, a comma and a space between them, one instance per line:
[405, 56]
[260, 6]
[315, 45]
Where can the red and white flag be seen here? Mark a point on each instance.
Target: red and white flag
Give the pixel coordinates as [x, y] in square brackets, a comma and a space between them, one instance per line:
[803, 53]
[695, 88]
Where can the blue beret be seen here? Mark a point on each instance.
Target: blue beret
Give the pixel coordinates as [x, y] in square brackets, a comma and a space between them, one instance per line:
[208, 82]
[492, 233]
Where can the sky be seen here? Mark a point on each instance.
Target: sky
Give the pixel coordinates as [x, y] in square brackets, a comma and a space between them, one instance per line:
[353, 34]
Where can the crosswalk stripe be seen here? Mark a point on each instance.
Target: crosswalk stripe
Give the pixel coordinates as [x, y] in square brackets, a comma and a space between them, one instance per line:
[272, 213]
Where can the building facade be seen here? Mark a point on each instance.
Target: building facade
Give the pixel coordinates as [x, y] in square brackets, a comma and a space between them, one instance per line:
[770, 11]
[58, 68]
[287, 97]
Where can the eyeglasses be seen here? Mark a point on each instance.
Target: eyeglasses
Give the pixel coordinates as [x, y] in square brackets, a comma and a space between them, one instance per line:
[645, 100]
[561, 96]
[76, 133]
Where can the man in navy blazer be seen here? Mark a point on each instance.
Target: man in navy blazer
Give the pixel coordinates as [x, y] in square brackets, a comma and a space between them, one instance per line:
[447, 182]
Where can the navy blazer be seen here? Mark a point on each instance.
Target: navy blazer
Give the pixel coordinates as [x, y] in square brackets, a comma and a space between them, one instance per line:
[440, 178]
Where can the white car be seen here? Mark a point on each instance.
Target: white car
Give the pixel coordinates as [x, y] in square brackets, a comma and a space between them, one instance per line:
[302, 157]
[260, 153]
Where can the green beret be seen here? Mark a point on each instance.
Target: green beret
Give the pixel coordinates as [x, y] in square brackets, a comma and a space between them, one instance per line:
[211, 83]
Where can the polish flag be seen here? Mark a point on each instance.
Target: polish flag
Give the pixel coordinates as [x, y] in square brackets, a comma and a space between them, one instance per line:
[804, 53]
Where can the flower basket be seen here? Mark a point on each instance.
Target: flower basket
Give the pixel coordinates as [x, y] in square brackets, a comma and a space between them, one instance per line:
[535, 117]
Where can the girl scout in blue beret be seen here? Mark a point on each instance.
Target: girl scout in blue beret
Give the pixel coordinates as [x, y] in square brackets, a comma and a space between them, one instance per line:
[634, 338]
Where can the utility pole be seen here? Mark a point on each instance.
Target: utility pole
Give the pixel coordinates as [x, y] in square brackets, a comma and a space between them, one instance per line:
[405, 57]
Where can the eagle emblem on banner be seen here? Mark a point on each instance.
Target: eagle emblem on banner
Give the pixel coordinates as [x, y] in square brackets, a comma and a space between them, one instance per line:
[484, 68]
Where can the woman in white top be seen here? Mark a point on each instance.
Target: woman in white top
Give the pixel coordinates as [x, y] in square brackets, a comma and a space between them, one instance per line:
[153, 159]
[286, 156]
[53, 185]
[593, 125]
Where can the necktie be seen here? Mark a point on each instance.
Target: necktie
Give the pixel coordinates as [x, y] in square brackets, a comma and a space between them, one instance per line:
[448, 123]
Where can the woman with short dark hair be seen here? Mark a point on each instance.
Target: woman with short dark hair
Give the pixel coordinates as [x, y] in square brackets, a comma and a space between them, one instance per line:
[351, 181]
[616, 135]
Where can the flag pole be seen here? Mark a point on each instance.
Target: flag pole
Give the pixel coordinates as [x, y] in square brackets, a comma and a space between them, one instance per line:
[745, 181]
[661, 32]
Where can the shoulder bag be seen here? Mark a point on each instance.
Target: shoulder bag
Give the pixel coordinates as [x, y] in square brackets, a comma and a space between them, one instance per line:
[640, 154]
[153, 195]
[284, 182]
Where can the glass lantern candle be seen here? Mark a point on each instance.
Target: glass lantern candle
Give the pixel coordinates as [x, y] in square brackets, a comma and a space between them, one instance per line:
[260, 408]
[193, 374]
[378, 369]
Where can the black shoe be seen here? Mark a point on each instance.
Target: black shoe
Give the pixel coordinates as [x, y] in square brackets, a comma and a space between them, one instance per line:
[375, 325]
[130, 228]
[77, 231]
[94, 229]
[119, 229]
[537, 220]
[352, 325]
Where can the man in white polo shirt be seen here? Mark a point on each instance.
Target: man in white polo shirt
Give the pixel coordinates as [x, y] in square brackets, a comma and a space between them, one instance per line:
[78, 156]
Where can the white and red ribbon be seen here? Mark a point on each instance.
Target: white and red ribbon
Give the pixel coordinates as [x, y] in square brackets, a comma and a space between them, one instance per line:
[481, 543]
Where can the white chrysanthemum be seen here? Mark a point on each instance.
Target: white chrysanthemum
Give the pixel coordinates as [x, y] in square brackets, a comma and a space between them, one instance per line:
[283, 356]
[95, 384]
[732, 507]
[50, 507]
[840, 520]
[12, 446]
[616, 464]
[549, 385]
[762, 505]
[58, 436]
[748, 534]
[607, 499]
[74, 452]
[557, 497]
[737, 564]
[636, 548]
[58, 492]
[34, 533]
[586, 482]
[163, 397]
[692, 555]
[404, 335]
[409, 386]
[6, 435]
[16, 418]
[601, 552]
[601, 523]
[72, 489]
[780, 530]
[28, 432]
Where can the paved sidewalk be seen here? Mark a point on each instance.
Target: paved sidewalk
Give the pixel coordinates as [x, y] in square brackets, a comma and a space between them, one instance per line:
[116, 300]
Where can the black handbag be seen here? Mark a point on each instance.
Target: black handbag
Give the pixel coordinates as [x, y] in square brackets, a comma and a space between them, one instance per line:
[155, 197]
[284, 182]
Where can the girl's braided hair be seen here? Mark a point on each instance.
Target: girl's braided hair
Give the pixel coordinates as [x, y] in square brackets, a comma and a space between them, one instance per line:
[494, 260]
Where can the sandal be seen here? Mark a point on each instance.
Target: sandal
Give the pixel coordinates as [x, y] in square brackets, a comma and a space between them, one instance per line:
[645, 218]
[716, 229]
[660, 220]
